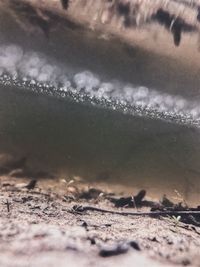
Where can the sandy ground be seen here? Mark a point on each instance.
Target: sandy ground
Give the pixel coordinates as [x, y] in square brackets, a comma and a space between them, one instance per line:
[39, 228]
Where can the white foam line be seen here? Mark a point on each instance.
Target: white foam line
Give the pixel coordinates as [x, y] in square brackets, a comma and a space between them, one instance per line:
[38, 70]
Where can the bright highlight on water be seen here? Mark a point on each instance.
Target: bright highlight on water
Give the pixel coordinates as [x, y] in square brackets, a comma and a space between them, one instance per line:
[32, 70]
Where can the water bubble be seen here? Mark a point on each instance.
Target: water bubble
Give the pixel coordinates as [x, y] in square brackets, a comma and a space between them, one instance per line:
[181, 104]
[104, 90]
[128, 92]
[86, 80]
[32, 82]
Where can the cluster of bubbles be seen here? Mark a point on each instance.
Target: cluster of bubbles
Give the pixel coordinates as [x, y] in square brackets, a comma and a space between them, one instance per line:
[31, 70]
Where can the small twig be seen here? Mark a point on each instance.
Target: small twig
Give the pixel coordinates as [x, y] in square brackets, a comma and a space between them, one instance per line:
[80, 209]
[8, 205]
[31, 185]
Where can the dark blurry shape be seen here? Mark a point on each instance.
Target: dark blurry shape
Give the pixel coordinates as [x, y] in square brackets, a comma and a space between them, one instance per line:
[84, 225]
[113, 250]
[176, 30]
[193, 220]
[171, 23]
[65, 3]
[139, 197]
[91, 193]
[191, 216]
[123, 201]
[166, 202]
[164, 18]
[198, 15]
[134, 245]
[175, 24]
[117, 249]
[31, 185]
[131, 201]
[123, 8]
[6, 184]
[92, 240]
[8, 205]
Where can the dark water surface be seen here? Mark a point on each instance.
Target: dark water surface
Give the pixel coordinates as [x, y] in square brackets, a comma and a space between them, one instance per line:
[100, 145]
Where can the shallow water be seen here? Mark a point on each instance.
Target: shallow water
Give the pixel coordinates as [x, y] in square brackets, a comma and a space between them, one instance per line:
[98, 144]
[118, 115]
